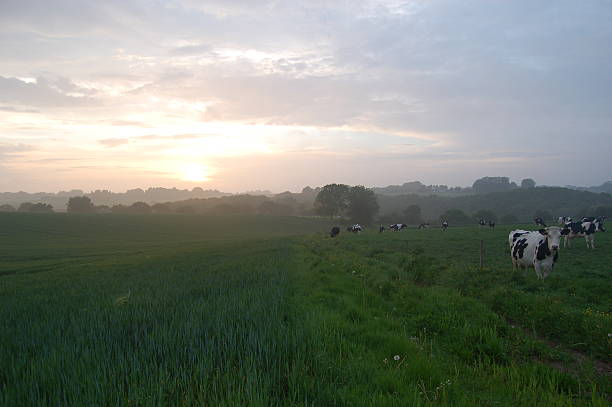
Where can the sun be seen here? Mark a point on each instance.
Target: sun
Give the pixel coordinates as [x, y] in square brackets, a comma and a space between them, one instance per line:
[195, 172]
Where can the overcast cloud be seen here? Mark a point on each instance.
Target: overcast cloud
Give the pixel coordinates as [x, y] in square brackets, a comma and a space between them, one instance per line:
[277, 94]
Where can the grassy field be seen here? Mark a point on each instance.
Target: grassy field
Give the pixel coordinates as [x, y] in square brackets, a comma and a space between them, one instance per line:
[260, 311]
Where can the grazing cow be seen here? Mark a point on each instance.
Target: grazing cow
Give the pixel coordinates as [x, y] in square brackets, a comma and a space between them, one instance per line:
[515, 234]
[492, 224]
[444, 225]
[584, 229]
[335, 231]
[539, 250]
[593, 219]
[381, 229]
[563, 220]
[398, 226]
[540, 222]
[424, 225]
[356, 228]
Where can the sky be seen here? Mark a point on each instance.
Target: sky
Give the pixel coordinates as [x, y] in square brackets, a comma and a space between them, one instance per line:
[276, 95]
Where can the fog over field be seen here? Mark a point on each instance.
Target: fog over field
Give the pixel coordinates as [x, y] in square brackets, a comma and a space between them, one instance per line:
[274, 95]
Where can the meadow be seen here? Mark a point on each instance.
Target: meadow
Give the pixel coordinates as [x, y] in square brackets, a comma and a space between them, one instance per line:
[199, 310]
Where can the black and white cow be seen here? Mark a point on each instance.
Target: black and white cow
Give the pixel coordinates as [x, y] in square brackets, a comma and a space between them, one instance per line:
[539, 221]
[424, 225]
[444, 225]
[562, 220]
[356, 228]
[482, 222]
[539, 250]
[515, 234]
[586, 229]
[398, 226]
[335, 231]
[381, 229]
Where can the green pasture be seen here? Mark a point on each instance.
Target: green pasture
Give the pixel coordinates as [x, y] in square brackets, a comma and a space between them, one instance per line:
[130, 310]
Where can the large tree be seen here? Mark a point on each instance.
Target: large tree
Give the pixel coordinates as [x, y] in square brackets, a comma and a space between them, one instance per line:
[80, 204]
[332, 200]
[362, 205]
[528, 183]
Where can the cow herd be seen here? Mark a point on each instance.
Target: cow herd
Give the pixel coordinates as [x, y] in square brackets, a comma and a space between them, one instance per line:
[538, 249]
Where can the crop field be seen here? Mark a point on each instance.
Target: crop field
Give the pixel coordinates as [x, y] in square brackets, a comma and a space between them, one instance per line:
[173, 310]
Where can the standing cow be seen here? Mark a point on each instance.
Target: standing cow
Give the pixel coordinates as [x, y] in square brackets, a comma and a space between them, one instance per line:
[398, 226]
[539, 250]
[444, 225]
[356, 228]
[335, 231]
[586, 229]
[381, 229]
[515, 234]
[562, 220]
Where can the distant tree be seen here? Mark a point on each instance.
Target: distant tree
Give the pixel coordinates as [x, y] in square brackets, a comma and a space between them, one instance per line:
[80, 204]
[275, 208]
[509, 218]
[362, 205]
[456, 216]
[185, 210]
[102, 209]
[119, 209]
[161, 208]
[332, 200]
[35, 207]
[545, 215]
[602, 211]
[486, 215]
[7, 208]
[486, 185]
[528, 183]
[139, 207]
[412, 215]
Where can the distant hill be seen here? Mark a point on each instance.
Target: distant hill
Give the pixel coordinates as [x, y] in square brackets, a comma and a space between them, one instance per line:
[521, 202]
[105, 197]
[605, 187]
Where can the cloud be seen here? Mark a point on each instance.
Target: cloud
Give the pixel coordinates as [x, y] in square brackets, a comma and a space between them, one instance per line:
[113, 142]
[43, 93]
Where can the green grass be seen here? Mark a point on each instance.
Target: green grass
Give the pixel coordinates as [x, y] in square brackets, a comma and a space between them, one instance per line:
[260, 311]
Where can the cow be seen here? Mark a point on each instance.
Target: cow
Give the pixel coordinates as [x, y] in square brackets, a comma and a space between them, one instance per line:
[539, 249]
[424, 225]
[584, 229]
[335, 231]
[381, 229]
[444, 225]
[562, 220]
[492, 224]
[593, 219]
[539, 221]
[515, 234]
[398, 226]
[356, 228]
[482, 222]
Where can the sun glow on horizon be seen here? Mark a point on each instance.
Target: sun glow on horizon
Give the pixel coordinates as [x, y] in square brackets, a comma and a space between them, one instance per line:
[195, 172]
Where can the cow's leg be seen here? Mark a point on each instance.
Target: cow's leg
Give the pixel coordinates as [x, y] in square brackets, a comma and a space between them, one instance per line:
[538, 270]
[587, 240]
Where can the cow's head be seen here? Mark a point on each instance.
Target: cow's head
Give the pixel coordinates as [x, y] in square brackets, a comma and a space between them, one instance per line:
[553, 234]
[599, 224]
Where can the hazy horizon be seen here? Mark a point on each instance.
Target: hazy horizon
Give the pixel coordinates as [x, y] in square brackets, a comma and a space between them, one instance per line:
[269, 95]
